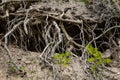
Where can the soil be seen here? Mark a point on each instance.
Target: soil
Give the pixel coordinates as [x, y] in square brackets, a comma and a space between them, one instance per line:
[34, 69]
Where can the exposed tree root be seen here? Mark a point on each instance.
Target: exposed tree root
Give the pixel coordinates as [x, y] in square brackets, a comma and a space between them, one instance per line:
[48, 32]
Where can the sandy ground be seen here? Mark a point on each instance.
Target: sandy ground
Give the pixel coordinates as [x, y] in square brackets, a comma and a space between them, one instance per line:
[34, 69]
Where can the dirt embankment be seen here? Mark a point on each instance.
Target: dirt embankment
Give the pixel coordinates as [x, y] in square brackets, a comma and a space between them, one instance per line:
[31, 32]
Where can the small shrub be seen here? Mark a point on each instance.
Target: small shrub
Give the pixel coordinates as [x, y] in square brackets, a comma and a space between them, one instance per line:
[62, 58]
[96, 58]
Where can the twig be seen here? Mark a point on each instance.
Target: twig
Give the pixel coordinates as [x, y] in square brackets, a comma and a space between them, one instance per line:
[26, 21]
[8, 33]
[69, 38]
[6, 41]
[10, 56]
[45, 49]
[103, 33]
[59, 37]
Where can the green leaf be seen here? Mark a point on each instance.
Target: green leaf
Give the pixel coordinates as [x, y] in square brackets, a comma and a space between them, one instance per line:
[100, 62]
[91, 59]
[62, 58]
[98, 55]
[62, 55]
[93, 67]
[90, 49]
[67, 54]
[56, 55]
[68, 60]
[107, 60]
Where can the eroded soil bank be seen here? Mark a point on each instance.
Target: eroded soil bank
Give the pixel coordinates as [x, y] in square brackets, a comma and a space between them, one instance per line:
[31, 32]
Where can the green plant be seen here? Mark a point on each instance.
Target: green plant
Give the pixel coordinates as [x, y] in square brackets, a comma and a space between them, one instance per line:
[85, 1]
[96, 58]
[62, 58]
[12, 68]
[23, 68]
